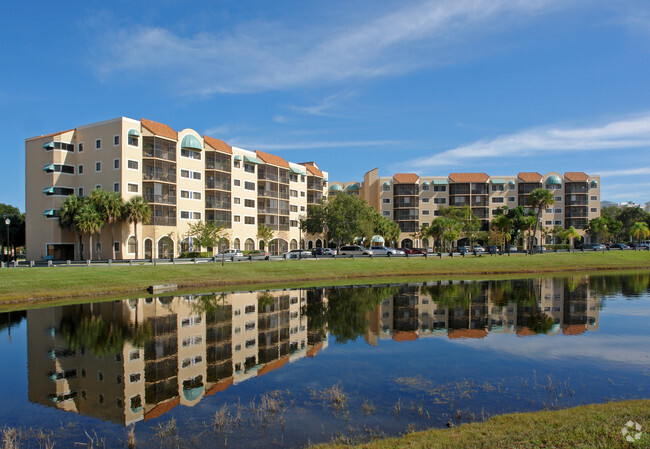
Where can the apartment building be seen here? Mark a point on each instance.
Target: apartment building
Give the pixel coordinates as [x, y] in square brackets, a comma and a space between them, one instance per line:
[411, 200]
[185, 177]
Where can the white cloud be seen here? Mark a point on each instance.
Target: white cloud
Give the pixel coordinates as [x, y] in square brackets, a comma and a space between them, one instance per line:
[625, 172]
[631, 133]
[326, 105]
[263, 56]
[316, 144]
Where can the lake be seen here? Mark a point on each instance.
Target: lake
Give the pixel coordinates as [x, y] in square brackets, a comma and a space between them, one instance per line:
[289, 368]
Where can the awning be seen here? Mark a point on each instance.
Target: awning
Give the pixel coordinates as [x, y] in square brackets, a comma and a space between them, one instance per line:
[498, 181]
[191, 143]
[50, 213]
[133, 132]
[48, 190]
[425, 183]
[237, 158]
[49, 145]
[386, 184]
[48, 167]
[295, 171]
[252, 160]
[325, 179]
[439, 182]
[511, 183]
[192, 394]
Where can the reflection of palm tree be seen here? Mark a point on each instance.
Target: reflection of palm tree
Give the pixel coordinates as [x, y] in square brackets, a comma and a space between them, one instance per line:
[539, 322]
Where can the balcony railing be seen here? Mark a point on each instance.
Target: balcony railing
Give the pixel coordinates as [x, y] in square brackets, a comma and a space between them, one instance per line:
[217, 204]
[217, 185]
[212, 165]
[267, 193]
[576, 187]
[159, 154]
[160, 199]
[159, 176]
[163, 221]
[267, 210]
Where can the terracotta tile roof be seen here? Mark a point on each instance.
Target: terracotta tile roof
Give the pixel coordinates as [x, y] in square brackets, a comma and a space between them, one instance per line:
[272, 159]
[574, 329]
[405, 336]
[405, 178]
[161, 409]
[529, 177]
[312, 169]
[467, 333]
[48, 135]
[314, 350]
[159, 129]
[576, 176]
[468, 177]
[218, 145]
[219, 386]
[525, 332]
[273, 366]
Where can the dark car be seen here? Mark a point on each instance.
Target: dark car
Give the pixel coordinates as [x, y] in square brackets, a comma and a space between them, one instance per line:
[413, 250]
[492, 249]
[619, 246]
[323, 252]
[464, 249]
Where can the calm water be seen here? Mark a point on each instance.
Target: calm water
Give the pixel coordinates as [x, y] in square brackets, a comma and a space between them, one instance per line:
[290, 367]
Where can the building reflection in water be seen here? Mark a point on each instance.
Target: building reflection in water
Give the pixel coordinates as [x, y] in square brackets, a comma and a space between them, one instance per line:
[131, 360]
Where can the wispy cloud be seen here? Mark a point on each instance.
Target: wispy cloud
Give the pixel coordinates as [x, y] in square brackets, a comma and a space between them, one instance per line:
[326, 105]
[265, 56]
[625, 172]
[325, 144]
[622, 134]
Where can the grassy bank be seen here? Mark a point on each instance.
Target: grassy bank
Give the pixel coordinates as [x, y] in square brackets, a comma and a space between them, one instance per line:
[25, 285]
[592, 426]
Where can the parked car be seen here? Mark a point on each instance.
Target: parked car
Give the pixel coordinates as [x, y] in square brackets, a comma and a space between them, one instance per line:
[619, 246]
[413, 250]
[233, 253]
[512, 249]
[296, 254]
[464, 249]
[355, 250]
[538, 249]
[493, 249]
[478, 249]
[594, 247]
[257, 254]
[323, 252]
[385, 250]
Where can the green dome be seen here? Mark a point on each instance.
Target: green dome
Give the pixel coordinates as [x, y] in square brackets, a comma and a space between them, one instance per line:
[352, 188]
[192, 143]
[594, 184]
[335, 188]
[192, 394]
[553, 179]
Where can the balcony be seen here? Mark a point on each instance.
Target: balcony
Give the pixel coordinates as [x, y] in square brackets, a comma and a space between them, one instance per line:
[160, 199]
[163, 221]
[576, 187]
[159, 154]
[573, 212]
[315, 185]
[267, 193]
[210, 184]
[213, 165]
[267, 210]
[579, 200]
[159, 176]
[217, 204]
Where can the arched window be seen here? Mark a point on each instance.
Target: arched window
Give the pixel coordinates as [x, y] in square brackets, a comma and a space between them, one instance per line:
[249, 245]
[319, 244]
[407, 243]
[310, 245]
[293, 244]
[131, 245]
[185, 245]
[236, 244]
[148, 249]
[165, 248]
[260, 245]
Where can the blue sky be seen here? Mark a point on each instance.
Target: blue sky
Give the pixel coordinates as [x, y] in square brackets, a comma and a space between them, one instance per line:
[432, 87]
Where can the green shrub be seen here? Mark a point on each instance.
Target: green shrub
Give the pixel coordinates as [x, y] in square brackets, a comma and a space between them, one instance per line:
[193, 254]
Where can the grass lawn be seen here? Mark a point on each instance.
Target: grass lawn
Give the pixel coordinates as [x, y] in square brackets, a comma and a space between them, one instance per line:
[592, 426]
[28, 285]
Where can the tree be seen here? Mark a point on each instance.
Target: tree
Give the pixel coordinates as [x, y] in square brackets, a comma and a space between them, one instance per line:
[206, 235]
[539, 199]
[265, 234]
[111, 207]
[598, 229]
[388, 229]
[67, 213]
[470, 224]
[422, 234]
[89, 221]
[137, 210]
[16, 227]
[569, 234]
[503, 224]
[529, 223]
[639, 230]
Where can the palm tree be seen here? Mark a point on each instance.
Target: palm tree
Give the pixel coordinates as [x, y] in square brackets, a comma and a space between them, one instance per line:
[639, 230]
[539, 199]
[67, 211]
[89, 221]
[570, 234]
[98, 197]
[111, 207]
[137, 210]
[504, 225]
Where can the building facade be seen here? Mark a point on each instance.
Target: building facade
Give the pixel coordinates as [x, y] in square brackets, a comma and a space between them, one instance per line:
[185, 177]
[411, 200]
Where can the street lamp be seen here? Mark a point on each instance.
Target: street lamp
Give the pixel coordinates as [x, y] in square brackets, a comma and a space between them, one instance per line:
[8, 222]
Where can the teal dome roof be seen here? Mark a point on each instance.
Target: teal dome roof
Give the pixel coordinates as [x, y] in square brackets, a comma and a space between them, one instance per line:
[553, 179]
[335, 188]
[352, 188]
[191, 142]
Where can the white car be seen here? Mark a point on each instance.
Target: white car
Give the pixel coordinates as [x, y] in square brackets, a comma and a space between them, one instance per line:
[384, 250]
[296, 253]
[478, 249]
[355, 250]
[233, 253]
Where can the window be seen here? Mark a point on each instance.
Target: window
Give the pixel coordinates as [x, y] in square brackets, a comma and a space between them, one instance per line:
[249, 326]
[425, 200]
[386, 213]
[250, 343]
[132, 188]
[511, 186]
[549, 211]
[185, 215]
[236, 200]
[249, 185]
[302, 208]
[131, 250]
[425, 187]
[558, 211]
[594, 209]
[100, 376]
[249, 309]
[132, 140]
[511, 199]
[386, 200]
[236, 182]
[293, 224]
[293, 178]
[236, 164]
[386, 188]
[249, 168]
[81, 191]
[191, 154]
[293, 193]
[116, 140]
[558, 199]
[116, 187]
[439, 188]
[116, 164]
[98, 166]
[98, 186]
[80, 147]
[135, 378]
[497, 199]
[196, 175]
[98, 144]
[440, 201]
[249, 203]
[249, 220]
[302, 194]
[196, 215]
[132, 165]
[593, 198]
[80, 169]
[236, 219]
[558, 222]
[302, 178]
[497, 187]
[425, 212]
[185, 194]
[185, 173]
[293, 208]
[548, 222]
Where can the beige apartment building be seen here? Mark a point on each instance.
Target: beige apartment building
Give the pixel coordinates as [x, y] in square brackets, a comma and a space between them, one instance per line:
[411, 200]
[185, 177]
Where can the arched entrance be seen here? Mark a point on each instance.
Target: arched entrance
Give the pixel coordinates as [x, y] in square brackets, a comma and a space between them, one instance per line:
[293, 244]
[165, 248]
[319, 244]
[278, 246]
[249, 245]
[148, 249]
[407, 243]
